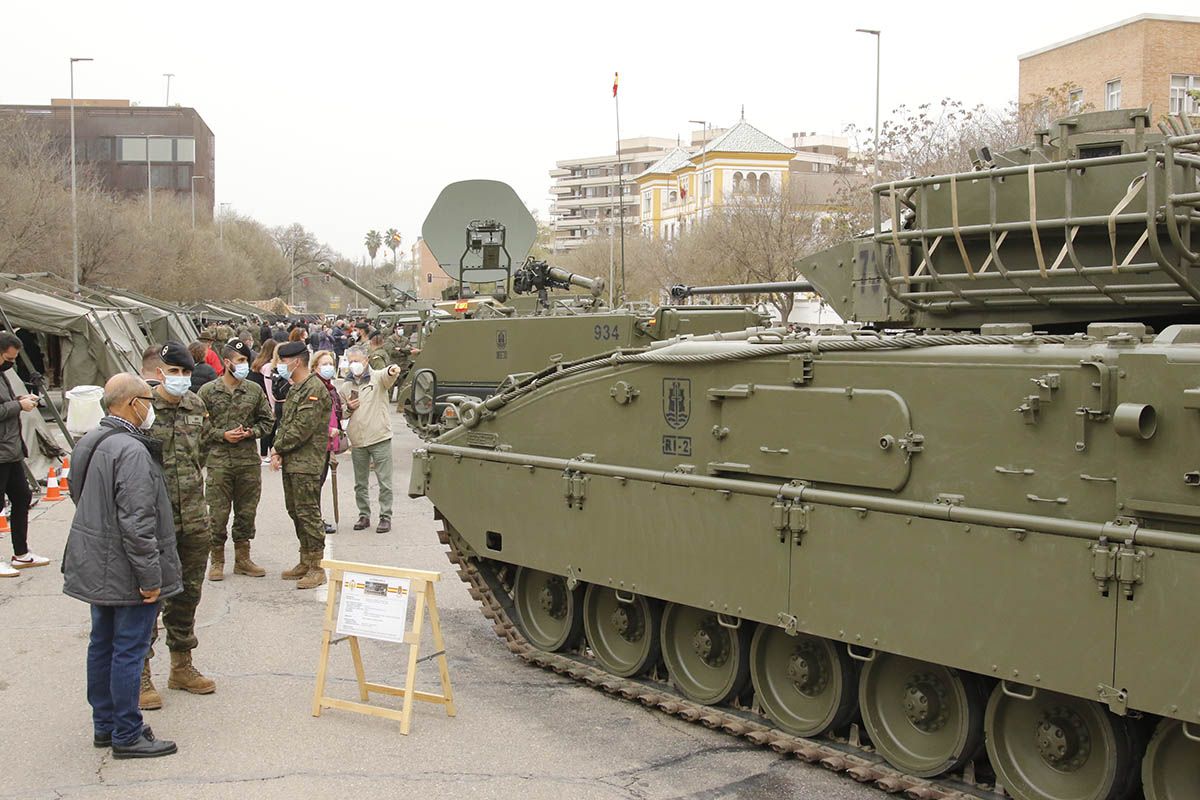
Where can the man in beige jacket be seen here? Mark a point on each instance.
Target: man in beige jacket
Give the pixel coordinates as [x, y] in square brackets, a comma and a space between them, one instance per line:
[365, 396]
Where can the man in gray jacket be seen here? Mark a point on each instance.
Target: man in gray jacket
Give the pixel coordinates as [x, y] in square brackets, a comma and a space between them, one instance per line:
[122, 560]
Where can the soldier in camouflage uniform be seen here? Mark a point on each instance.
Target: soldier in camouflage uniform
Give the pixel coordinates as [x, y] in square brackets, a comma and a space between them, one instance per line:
[378, 356]
[252, 331]
[399, 350]
[222, 333]
[238, 413]
[179, 422]
[301, 447]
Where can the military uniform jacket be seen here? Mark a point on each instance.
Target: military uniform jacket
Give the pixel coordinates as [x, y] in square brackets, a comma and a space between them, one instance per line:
[245, 404]
[378, 357]
[180, 428]
[397, 346]
[303, 435]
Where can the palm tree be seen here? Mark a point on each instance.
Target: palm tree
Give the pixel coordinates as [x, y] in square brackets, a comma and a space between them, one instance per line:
[393, 242]
[373, 242]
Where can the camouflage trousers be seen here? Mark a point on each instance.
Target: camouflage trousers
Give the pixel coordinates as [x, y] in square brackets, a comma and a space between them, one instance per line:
[233, 487]
[179, 612]
[302, 497]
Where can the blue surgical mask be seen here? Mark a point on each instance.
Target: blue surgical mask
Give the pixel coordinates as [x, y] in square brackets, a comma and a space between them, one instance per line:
[327, 371]
[283, 370]
[177, 385]
[240, 371]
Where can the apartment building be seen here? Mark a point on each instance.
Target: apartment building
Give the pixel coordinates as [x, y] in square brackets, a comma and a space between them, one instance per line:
[1148, 60]
[590, 194]
[119, 142]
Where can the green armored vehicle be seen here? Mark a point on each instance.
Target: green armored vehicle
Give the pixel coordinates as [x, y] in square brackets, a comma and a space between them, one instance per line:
[954, 550]
[477, 230]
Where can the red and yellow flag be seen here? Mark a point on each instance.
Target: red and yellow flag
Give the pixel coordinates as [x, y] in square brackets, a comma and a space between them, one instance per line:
[615, 77]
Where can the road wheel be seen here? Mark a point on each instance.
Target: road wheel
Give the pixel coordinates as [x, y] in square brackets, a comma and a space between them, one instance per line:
[709, 660]
[549, 613]
[924, 718]
[806, 684]
[623, 635]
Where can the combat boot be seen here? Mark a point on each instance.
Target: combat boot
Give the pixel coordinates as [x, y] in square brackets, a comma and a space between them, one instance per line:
[185, 676]
[316, 575]
[242, 565]
[149, 699]
[297, 572]
[216, 564]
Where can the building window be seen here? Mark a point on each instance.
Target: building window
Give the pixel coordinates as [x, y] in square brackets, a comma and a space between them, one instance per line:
[1075, 100]
[1182, 101]
[185, 150]
[183, 178]
[161, 150]
[162, 177]
[1112, 95]
[706, 186]
[674, 197]
[646, 203]
[737, 182]
[764, 184]
[132, 148]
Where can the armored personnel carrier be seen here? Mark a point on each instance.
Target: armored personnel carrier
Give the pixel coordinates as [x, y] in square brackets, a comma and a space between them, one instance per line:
[953, 549]
[478, 230]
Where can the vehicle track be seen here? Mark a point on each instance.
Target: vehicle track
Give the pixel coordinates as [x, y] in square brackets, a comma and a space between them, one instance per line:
[849, 756]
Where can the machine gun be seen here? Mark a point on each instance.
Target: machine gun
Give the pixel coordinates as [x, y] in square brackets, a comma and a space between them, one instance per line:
[540, 277]
[398, 299]
[680, 292]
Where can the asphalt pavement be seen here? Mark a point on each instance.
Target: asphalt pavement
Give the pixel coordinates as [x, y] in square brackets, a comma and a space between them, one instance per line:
[520, 732]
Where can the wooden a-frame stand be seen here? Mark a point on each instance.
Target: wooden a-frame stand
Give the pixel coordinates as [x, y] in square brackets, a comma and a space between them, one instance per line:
[421, 588]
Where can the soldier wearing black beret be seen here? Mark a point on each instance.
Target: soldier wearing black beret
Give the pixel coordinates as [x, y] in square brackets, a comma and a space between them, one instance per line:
[238, 415]
[301, 447]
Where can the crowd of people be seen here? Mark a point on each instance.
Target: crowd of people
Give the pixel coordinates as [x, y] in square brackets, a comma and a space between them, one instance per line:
[174, 470]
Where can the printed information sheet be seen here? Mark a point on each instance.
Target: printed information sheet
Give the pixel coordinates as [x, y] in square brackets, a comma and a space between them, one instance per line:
[373, 606]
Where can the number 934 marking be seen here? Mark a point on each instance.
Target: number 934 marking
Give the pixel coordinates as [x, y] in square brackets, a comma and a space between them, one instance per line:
[606, 333]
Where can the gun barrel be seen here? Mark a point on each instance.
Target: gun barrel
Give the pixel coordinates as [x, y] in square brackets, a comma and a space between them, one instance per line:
[681, 292]
[383, 303]
[593, 285]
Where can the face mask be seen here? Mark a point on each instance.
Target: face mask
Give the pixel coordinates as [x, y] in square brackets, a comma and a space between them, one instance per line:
[357, 368]
[283, 370]
[5, 366]
[149, 420]
[240, 371]
[327, 371]
[177, 385]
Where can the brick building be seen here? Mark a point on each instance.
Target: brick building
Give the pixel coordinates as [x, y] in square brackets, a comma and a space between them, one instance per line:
[1148, 60]
[119, 142]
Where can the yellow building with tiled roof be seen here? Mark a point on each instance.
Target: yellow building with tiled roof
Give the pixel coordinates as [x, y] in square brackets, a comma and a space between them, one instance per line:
[683, 187]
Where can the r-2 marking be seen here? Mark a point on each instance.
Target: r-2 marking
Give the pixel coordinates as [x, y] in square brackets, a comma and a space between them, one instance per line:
[677, 445]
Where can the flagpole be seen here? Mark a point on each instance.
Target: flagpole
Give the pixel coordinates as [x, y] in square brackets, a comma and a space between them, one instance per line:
[620, 185]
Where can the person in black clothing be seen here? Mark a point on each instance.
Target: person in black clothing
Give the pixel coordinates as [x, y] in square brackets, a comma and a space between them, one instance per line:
[202, 373]
[12, 460]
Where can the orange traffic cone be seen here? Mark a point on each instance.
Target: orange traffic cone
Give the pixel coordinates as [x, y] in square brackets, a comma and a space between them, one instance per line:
[52, 490]
[4, 521]
[65, 472]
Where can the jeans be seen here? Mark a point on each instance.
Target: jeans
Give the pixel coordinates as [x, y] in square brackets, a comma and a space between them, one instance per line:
[14, 484]
[118, 645]
[362, 457]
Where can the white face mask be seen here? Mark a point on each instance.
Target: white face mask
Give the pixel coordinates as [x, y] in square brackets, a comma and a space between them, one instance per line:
[357, 368]
[149, 420]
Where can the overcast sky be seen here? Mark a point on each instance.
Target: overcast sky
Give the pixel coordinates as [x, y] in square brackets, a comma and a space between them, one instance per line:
[346, 116]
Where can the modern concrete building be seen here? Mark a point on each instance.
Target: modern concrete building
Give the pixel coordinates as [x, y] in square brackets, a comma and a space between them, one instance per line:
[586, 190]
[119, 142]
[1148, 60]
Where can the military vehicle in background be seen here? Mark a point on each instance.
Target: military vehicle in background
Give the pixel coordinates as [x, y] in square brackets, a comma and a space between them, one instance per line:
[508, 324]
[964, 530]
[397, 307]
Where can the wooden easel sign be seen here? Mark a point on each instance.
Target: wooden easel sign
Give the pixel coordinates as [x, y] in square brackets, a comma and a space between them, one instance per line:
[371, 601]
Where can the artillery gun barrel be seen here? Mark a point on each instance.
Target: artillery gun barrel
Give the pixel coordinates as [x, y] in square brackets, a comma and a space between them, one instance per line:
[593, 285]
[383, 303]
[681, 292]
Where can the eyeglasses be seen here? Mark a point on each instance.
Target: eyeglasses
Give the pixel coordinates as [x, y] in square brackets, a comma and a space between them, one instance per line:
[147, 399]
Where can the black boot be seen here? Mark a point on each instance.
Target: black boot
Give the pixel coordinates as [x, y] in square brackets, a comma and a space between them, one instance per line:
[146, 746]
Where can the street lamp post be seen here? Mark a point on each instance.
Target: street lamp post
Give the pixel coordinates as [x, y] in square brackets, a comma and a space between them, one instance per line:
[168, 76]
[221, 222]
[194, 179]
[878, 38]
[74, 207]
[149, 175]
